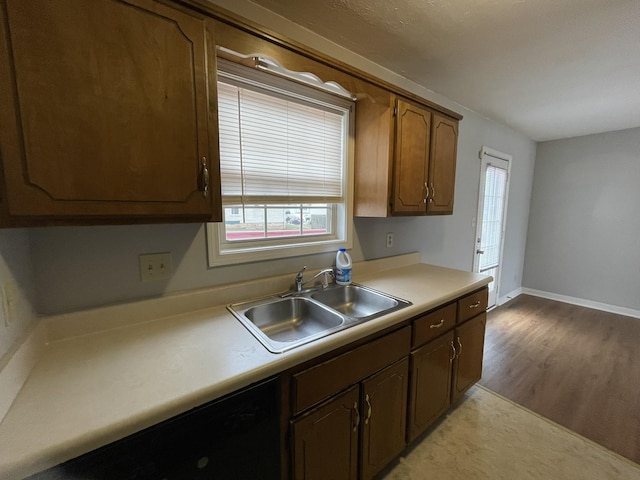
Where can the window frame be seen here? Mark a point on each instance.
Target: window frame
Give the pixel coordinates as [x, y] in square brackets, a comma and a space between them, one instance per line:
[222, 252]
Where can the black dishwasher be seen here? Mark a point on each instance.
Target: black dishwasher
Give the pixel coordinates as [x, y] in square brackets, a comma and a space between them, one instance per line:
[236, 437]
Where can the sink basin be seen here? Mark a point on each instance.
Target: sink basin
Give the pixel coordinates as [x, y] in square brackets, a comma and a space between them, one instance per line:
[284, 322]
[355, 301]
[292, 319]
[281, 324]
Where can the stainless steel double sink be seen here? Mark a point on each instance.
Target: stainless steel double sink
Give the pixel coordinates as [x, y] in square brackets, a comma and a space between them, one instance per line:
[283, 322]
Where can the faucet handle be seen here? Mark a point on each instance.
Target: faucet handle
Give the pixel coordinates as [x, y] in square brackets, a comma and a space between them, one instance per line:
[300, 273]
[298, 279]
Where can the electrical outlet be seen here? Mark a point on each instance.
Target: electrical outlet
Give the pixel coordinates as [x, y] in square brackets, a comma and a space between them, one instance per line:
[155, 266]
[389, 240]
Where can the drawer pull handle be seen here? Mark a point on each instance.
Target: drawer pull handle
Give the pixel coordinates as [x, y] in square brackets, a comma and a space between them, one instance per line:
[475, 305]
[366, 399]
[437, 325]
[355, 407]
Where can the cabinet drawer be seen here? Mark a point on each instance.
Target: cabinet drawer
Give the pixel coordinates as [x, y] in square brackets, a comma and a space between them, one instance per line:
[472, 305]
[321, 381]
[433, 325]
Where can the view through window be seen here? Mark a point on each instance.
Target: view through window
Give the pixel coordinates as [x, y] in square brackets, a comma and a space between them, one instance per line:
[285, 163]
[263, 221]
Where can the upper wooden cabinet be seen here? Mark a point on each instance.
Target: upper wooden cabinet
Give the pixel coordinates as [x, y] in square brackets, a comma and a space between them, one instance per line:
[442, 165]
[405, 159]
[411, 159]
[108, 113]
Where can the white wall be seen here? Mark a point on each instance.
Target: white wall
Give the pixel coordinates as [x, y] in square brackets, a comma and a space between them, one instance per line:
[80, 267]
[584, 226]
[17, 289]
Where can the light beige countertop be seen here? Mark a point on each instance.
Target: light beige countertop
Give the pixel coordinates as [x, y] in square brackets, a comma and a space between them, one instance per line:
[89, 378]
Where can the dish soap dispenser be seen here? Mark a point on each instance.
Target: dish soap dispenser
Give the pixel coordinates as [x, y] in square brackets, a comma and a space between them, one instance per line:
[343, 267]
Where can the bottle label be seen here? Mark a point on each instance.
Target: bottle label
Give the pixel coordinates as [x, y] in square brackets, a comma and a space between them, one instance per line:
[343, 275]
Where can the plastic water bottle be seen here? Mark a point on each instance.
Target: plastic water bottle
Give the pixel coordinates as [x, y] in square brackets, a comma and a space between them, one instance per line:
[343, 267]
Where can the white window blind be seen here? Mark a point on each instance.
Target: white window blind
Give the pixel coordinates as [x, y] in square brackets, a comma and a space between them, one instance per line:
[278, 148]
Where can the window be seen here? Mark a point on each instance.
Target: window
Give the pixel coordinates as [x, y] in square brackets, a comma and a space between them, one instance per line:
[286, 162]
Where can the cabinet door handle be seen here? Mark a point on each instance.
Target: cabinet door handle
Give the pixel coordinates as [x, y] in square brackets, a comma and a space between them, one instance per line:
[453, 352]
[459, 347]
[204, 175]
[433, 192]
[475, 305]
[426, 189]
[355, 408]
[437, 325]
[366, 399]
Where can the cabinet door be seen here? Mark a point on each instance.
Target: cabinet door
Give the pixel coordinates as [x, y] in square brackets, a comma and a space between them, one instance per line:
[411, 159]
[430, 383]
[107, 110]
[467, 366]
[325, 441]
[384, 411]
[442, 165]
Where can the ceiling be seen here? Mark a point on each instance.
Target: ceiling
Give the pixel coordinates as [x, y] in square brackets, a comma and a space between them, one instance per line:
[548, 68]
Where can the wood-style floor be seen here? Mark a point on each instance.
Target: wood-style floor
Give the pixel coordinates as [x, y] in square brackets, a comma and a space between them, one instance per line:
[576, 366]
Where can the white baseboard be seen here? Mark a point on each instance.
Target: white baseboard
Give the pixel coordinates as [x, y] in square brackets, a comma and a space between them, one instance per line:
[509, 296]
[629, 312]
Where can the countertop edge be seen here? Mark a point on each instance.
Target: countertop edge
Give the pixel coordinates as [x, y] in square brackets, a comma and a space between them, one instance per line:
[31, 462]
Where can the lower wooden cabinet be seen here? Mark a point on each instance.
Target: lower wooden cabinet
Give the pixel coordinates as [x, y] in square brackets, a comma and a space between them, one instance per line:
[445, 367]
[430, 383]
[384, 404]
[353, 414]
[325, 442]
[360, 430]
[467, 365]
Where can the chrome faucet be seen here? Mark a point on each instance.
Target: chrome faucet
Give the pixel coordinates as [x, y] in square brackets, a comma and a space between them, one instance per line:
[326, 274]
[298, 280]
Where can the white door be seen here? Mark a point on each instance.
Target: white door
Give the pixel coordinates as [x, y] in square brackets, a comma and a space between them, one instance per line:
[492, 213]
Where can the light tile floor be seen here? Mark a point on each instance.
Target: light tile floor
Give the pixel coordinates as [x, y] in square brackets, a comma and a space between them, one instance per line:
[489, 437]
